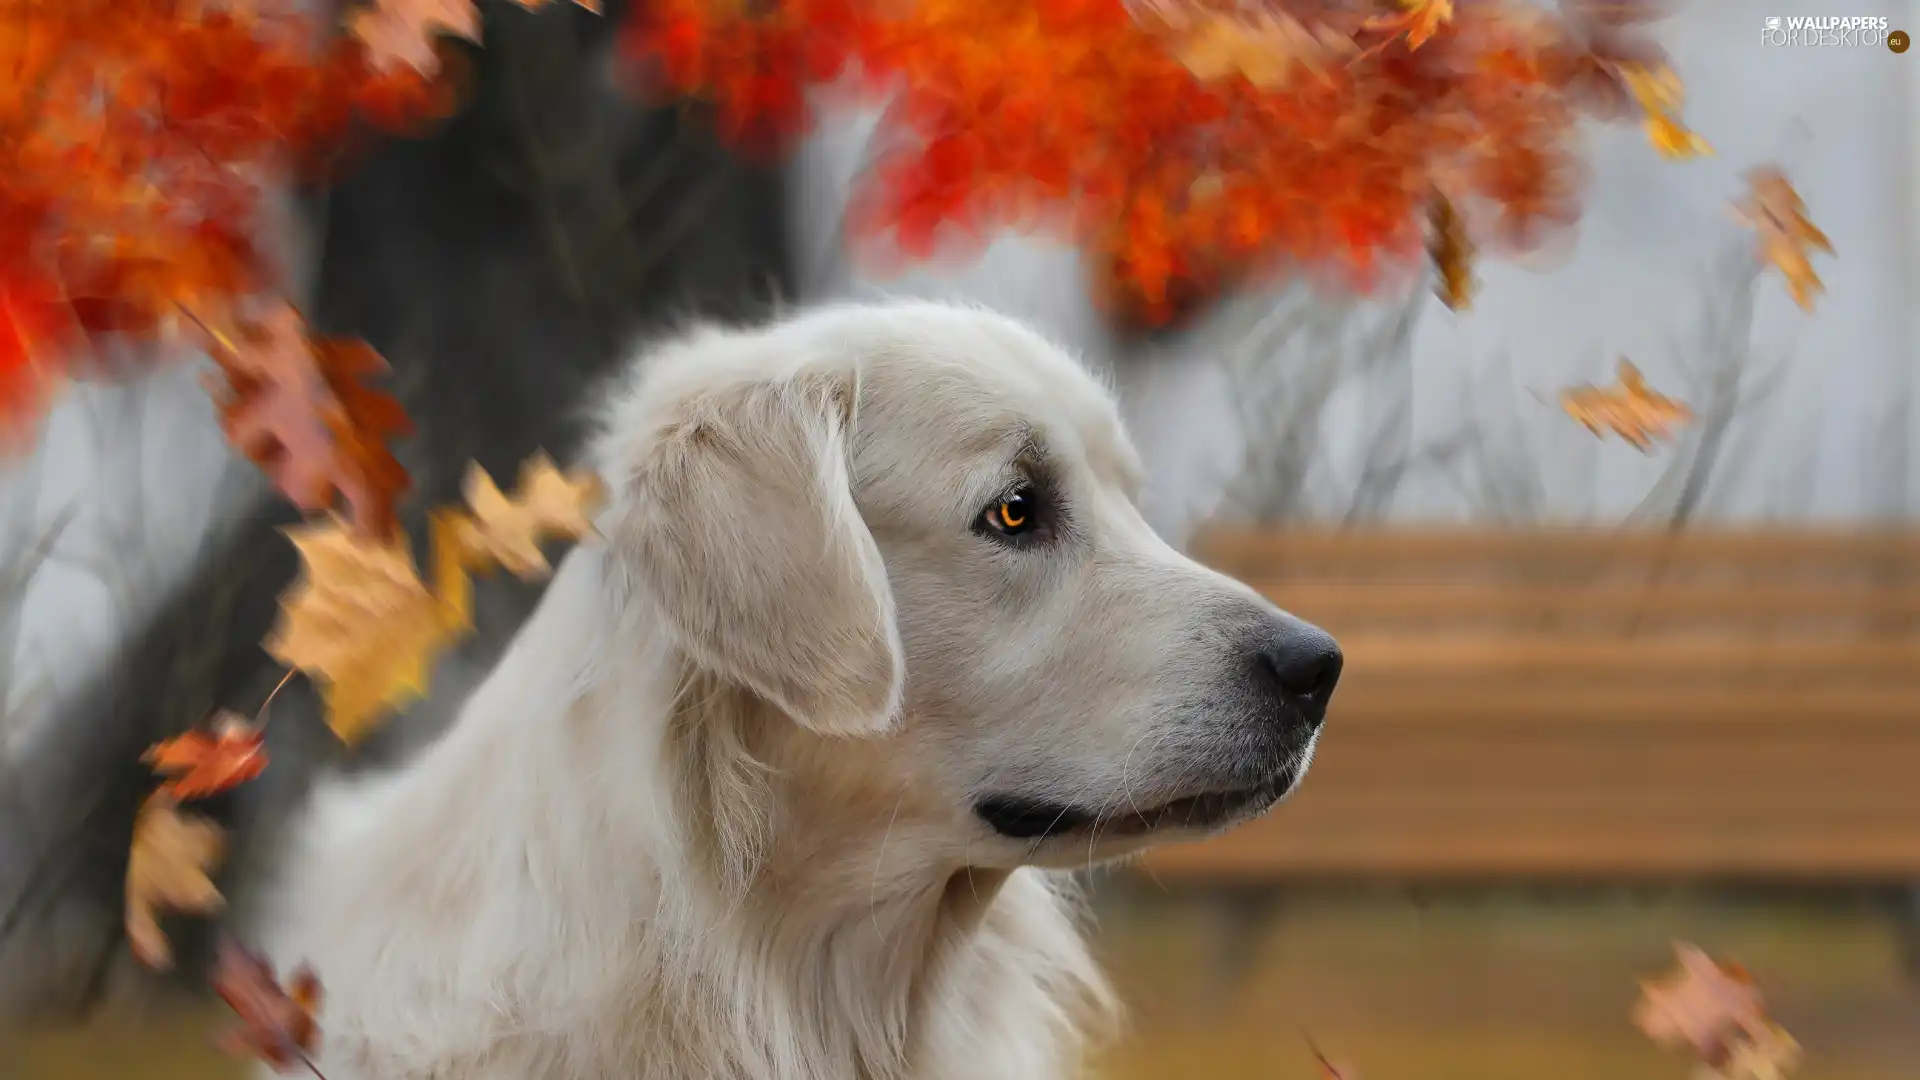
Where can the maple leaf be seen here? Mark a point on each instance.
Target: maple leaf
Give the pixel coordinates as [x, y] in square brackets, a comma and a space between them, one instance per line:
[1634, 411]
[167, 869]
[202, 763]
[1418, 20]
[360, 622]
[547, 504]
[1703, 1006]
[399, 32]
[296, 406]
[278, 1024]
[1778, 216]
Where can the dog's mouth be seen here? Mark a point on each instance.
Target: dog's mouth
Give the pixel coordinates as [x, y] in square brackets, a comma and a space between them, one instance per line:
[1019, 817]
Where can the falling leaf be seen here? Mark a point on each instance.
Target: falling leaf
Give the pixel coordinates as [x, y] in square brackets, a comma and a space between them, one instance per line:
[399, 32]
[200, 763]
[547, 504]
[1418, 20]
[360, 622]
[278, 1024]
[1703, 1006]
[1778, 216]
[168, 870]
[1634, 411]
[1675, 140]
[1265, 48]
[1452, 254]
[1660, 94]
[296, 406]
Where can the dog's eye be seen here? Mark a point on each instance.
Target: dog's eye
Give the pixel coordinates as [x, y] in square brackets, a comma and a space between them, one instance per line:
[1014, 515]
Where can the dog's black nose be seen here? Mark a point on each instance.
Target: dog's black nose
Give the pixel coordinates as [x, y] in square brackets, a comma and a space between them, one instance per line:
[1299, 663]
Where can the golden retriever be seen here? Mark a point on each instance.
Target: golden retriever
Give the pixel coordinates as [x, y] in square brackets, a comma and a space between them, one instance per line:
[779, 781]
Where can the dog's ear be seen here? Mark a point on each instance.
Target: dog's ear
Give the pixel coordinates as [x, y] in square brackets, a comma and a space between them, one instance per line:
[742, 525]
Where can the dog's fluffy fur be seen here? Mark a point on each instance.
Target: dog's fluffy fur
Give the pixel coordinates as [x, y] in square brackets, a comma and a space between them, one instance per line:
[736, 802]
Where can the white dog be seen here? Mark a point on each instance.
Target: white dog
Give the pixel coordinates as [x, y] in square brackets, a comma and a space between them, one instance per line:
[771, 785]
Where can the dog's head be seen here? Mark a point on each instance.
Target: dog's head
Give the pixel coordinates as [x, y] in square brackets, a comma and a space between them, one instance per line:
[915, 530]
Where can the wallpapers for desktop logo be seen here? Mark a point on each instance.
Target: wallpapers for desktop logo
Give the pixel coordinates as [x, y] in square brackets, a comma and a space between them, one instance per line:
[1829, 31]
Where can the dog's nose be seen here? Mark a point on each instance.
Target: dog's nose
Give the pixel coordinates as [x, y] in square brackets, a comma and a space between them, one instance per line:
[1300, 663]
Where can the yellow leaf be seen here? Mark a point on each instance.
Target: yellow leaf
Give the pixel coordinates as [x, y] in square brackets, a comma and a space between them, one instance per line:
[1673, 139]
[168, 868]
[547, 505]
[1660, 94]
[361, 623]
[1657, 89]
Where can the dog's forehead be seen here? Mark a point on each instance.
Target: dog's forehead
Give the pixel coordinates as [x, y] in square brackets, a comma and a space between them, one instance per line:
[972, 383]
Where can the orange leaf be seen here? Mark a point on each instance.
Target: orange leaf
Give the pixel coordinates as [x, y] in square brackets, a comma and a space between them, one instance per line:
[278, 1024]
[202, 763]
[167, 869]
[1633, 411]
[1778, 216]
[1420, 20]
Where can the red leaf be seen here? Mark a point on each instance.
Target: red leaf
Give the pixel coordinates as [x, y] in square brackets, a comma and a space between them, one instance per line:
[202, 763]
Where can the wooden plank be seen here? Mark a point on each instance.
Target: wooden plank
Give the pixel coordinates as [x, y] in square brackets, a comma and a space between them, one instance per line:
[1622, 659]
[1781, 850]
[1543, 767]
[1385, 704]
[1333, 603]
[1245, 551]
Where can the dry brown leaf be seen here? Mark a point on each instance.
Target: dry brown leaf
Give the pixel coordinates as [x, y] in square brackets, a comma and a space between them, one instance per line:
[295, 405]
[1703, 1006]
[168, 869]
[547, 505]
[1451, 252]
[1778, 217]
[362, 623]
[277, 1023]
[1632, 410]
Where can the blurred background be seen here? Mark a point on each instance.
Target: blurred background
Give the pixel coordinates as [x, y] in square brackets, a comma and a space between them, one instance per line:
[1598, 701]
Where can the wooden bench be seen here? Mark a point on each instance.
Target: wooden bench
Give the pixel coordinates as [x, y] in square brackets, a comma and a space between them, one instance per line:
[1573, 704]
